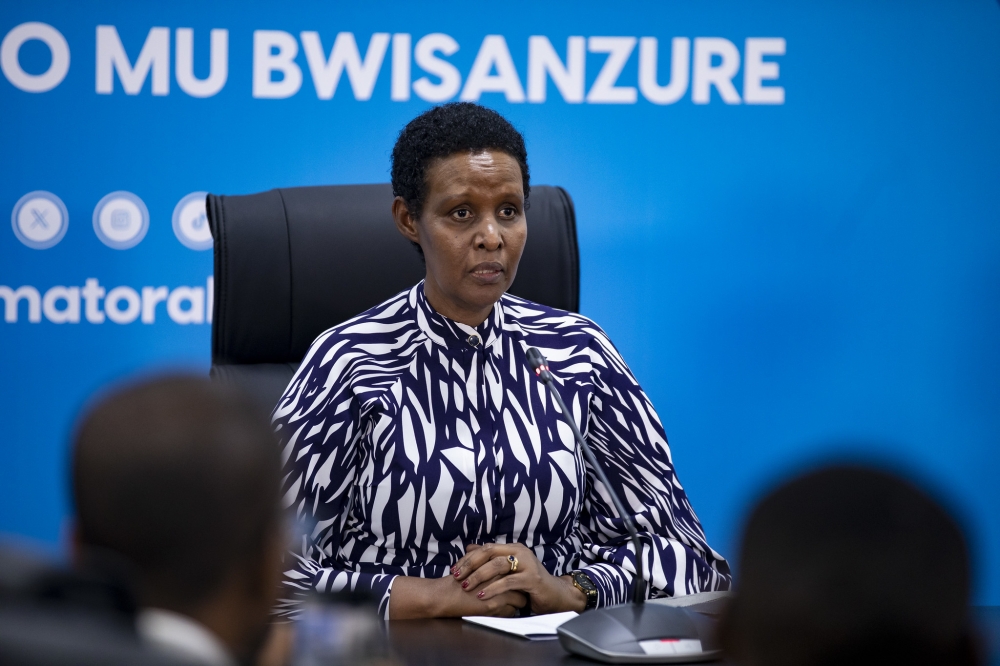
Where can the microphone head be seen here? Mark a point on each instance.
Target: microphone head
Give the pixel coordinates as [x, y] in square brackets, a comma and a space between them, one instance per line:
[535, 359]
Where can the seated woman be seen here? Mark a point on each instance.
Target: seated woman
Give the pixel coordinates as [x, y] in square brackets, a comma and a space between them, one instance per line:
[426, 453]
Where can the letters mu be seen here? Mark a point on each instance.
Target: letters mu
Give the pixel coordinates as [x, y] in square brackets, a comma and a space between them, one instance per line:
[665, 72]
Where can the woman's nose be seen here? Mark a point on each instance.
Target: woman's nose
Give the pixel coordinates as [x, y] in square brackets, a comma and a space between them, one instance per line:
[489, 236]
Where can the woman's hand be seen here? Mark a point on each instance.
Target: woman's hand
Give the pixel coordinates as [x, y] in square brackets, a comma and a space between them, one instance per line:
[414, 598]
[485, 573]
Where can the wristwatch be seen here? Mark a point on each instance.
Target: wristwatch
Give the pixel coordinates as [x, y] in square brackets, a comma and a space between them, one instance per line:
[582, 582]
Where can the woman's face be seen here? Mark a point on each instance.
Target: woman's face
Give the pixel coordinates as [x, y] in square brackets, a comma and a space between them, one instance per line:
[472, 232]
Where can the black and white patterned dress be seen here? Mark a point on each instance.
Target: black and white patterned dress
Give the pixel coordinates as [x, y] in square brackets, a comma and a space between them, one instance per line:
[407, 435]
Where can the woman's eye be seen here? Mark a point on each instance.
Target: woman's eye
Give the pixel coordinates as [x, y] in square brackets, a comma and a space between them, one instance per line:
[508, 211]
[462, 214]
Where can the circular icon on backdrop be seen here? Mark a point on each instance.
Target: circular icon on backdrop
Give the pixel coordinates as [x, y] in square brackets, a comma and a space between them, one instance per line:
[40, 219]
[121, 220]
[191, 222]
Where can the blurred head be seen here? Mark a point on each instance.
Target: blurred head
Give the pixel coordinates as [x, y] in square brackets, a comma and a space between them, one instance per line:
[850, 566]
[180, 477]
[460, 177]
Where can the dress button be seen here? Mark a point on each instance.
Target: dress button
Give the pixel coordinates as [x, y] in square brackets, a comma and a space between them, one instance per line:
[473, 340]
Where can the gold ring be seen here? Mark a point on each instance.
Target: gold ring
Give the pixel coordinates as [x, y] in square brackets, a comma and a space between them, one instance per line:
[513, 563]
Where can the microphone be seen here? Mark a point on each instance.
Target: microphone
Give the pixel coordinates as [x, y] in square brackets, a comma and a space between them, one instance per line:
[638, 632]
[541, 368]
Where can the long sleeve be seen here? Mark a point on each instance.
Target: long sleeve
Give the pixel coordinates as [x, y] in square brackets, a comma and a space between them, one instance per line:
[628, 440]
[317, 421]
[405, 436]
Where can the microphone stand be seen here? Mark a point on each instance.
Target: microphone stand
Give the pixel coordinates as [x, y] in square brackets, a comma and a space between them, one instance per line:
[538, 363]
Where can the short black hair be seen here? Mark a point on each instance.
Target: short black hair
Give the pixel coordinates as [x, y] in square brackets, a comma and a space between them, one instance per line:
[850, 565]
[181, 478]
[458, 127]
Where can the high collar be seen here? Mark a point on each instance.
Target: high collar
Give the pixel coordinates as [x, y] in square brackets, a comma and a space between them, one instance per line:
[452, 334]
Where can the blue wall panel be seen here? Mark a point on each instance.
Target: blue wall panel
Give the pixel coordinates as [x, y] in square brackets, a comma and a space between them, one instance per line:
[791, 282]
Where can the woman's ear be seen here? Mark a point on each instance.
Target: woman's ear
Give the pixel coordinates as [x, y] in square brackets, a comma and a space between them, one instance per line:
[405, 222]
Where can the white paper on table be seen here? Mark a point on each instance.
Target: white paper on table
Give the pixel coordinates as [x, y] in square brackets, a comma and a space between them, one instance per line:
[533, 627]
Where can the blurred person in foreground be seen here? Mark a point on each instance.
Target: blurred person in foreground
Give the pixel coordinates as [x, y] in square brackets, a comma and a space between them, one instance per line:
[180, 478]
[54, 615]
[848, 565]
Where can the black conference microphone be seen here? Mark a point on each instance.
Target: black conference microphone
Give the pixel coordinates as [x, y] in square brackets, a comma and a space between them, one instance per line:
[637, 632]
[541, 368]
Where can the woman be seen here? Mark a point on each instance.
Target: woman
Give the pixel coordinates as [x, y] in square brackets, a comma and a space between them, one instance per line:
[435, 467]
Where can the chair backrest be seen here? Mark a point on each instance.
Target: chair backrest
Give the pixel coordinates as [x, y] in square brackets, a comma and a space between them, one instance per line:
[290, 263]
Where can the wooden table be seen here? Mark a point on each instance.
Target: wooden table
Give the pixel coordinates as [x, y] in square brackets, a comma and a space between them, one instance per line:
[457, 643]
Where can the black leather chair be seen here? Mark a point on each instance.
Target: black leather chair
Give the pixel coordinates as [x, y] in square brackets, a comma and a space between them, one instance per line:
[291, 263]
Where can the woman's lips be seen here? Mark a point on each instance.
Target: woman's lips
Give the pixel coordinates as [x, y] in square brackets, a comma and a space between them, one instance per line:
[488, 273]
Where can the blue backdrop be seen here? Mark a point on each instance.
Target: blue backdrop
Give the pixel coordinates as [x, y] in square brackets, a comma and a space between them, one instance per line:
[788, 212]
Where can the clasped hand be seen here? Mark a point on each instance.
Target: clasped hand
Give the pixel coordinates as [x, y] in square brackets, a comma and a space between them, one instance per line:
[486, 572]
[482, 583]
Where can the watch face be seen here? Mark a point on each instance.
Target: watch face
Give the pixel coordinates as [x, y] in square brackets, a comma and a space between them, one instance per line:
[583, 580]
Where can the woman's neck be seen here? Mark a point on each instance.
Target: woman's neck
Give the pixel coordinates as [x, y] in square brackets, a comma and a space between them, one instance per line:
[460, 312]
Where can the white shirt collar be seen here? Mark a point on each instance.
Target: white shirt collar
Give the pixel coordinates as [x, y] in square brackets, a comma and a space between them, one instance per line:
[182, 636]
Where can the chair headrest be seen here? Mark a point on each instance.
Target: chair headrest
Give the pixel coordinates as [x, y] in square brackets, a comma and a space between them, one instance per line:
[291, 263]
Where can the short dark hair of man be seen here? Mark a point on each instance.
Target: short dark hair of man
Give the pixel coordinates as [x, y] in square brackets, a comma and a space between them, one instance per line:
[181, 477]
[459, 127]
[848, 565]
